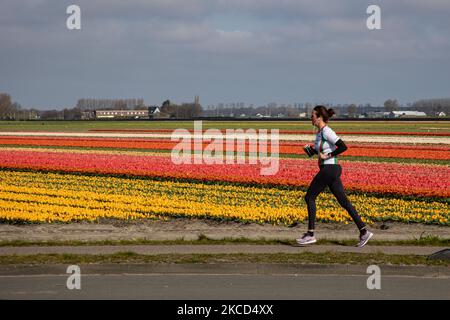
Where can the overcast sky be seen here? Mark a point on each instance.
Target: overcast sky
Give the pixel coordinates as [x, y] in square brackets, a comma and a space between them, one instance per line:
[254, 51]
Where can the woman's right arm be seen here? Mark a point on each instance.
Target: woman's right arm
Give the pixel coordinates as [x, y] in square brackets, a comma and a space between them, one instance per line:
[314, 150]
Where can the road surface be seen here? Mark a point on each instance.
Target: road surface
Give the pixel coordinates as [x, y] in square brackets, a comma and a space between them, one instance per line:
[221, 286]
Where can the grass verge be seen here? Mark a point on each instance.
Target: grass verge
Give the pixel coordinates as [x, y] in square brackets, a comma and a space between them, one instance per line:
[338, 125]
[204, 240]
[298, 258]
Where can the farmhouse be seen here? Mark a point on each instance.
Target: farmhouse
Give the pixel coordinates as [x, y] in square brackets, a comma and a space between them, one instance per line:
[114, 114]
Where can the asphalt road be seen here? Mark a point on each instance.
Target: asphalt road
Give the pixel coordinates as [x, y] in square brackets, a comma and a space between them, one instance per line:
[219, 286]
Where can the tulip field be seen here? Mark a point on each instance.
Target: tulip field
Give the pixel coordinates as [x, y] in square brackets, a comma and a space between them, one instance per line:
[68, 175]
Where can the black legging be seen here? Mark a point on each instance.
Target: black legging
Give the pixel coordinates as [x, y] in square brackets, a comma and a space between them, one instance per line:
[329, 175]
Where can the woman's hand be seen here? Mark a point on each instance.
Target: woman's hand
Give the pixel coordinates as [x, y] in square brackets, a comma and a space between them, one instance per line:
[324, 156]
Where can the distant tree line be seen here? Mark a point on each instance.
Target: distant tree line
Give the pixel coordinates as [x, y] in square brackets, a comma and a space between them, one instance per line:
[108, 104]
[10, 110]
[85, 104]
[432, 105]
[239, 110]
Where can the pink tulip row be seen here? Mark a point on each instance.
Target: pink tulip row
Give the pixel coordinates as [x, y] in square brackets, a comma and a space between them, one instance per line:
[372, 151]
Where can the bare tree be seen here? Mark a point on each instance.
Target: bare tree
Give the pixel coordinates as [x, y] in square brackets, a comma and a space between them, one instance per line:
[352, 110]
[6, 106]
[391, 105]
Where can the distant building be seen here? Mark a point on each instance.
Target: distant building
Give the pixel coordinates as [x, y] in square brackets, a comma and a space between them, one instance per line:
[87, 115]
[121, 114]
[441, 114]
[377, 114]
[405, 114]
[153, 111]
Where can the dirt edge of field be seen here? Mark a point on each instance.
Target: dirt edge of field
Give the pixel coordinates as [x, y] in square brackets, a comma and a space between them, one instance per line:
[192, 229]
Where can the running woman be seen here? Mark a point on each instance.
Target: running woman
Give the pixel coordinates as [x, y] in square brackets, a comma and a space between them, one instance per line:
[328, 146]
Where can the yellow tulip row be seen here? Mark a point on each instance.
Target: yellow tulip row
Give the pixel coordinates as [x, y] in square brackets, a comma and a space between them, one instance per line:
[47, 197]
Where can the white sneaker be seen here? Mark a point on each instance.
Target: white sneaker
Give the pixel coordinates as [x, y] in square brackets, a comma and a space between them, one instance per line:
[306, 239]
[364, 239]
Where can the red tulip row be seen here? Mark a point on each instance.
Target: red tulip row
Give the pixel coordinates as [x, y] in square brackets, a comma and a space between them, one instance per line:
[412, 152]
[425, 180]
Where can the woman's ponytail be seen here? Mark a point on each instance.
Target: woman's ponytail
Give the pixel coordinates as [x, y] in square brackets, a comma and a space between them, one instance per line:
[330, 112]
[324, 113]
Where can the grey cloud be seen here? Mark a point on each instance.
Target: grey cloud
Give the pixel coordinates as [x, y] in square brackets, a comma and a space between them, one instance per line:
[160, 44]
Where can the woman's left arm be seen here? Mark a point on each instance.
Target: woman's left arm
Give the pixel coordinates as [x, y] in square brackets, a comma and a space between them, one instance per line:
[341, 147]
